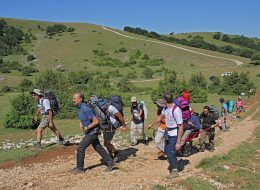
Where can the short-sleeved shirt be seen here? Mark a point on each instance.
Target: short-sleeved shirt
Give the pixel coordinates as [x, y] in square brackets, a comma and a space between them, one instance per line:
[172, 119]
[112, 110]
[44, 105]
[207, 120]
[135, 111]
[85, 114]
[224, 107]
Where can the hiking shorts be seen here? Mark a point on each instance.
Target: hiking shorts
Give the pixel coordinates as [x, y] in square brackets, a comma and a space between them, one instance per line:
[44, 122]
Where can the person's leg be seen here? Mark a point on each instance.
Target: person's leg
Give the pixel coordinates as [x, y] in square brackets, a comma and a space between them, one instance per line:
[133, 133]
[171, 153]
[101, 151]
[55, 130]
[184, 136]
[202, 140]
[86, 141]
[108, 137]
[171, 156]
[159, 140]
[211, 140]
[139, 128]
[41, 127]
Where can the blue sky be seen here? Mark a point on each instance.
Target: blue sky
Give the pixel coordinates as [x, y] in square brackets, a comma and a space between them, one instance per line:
[163, 16]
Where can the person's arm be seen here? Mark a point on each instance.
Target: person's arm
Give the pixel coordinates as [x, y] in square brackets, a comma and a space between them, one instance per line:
[93, 124]
[157, 120]
[37, 112]
[50, 118]
[180, 133]
[122, 121]
[140, 114]
[81, 126]
[217, 123]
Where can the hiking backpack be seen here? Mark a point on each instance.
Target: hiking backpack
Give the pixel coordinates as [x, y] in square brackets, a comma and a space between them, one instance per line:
[54, 104]
[117, 102]
[101, 115]
[184, 106]
[214, 110]
[145, 109]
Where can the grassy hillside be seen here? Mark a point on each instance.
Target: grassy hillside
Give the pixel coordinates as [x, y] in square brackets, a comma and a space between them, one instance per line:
[74, 52]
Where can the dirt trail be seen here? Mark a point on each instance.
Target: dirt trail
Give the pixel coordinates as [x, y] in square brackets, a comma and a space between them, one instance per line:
[238, 63]
[139, 169]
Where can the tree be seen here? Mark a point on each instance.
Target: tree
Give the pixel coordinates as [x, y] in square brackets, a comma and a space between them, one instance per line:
[225, 38]
[148, 73]
[216, 36]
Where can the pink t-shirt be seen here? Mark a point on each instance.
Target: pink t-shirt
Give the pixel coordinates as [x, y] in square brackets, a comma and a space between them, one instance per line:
[239, 103]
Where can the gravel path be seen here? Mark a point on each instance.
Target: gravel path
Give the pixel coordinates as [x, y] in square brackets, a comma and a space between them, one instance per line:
[140, 168]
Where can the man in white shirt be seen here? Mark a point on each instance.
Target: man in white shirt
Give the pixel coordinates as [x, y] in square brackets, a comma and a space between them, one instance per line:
[173, 132]
[44, 109]
[109, 132]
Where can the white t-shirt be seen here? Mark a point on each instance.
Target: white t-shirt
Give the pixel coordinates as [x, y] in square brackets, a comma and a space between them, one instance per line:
[112, 110]
[172, 120]
[44, 105]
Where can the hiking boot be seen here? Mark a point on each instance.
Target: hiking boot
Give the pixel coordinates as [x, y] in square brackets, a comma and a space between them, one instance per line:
[37, 147]
[76, 170]
[161, 154]
[110, 167]
[61, 140]
[173, 174]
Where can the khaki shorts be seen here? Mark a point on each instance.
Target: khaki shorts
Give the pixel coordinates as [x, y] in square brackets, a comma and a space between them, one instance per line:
[44, 122]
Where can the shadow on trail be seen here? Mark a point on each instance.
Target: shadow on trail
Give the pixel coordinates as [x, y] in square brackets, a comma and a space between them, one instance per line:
[182, 163]
[126, 153]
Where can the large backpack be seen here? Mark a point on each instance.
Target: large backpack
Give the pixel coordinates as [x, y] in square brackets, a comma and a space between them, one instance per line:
[117, 102]
[145, 109]
[214, 110]
[184, 106]
[101, 115]
[54, 104]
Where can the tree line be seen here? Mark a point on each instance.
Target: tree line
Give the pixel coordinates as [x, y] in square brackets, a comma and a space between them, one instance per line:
[249, 50]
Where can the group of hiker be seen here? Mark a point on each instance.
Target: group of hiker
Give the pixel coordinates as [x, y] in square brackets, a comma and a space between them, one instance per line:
[175, 119]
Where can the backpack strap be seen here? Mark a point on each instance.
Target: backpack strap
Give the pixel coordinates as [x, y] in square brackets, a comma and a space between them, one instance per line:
[173, 109]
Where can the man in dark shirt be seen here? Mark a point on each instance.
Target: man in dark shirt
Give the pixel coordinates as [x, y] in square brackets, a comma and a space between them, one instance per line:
[137, 120]
[89, 125]
[209, 121]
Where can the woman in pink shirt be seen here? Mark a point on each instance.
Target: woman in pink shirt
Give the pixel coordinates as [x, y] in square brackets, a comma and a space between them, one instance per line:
[239, 106]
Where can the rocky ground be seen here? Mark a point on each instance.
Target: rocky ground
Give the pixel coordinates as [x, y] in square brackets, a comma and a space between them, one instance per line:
[138, 168]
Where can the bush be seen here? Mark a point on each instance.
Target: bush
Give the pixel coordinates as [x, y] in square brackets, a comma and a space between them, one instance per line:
[6, 89]
[27, 71]
[148, 73]
[71, 29]
[25, 85]
[258, 75]
[30, 57]
[21, 113]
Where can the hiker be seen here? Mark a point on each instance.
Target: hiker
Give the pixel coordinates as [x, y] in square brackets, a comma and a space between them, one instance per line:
[239, 106]
[223, 115]
[137, 120]
[209, 121]
[186, 95]
[90, 126]
[160, 103]
[193, 124]
[113, 124]
[45, 110]
[173, 132]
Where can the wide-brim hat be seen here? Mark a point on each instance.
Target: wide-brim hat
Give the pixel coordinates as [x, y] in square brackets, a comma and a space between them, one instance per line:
[133, 99]
[160, 102]
[37, 92]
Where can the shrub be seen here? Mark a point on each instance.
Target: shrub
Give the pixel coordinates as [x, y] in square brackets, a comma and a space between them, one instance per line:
[25, 85]
[70, 29]
[21, 113]
[6, 89]
[30, 57]
[148, 73]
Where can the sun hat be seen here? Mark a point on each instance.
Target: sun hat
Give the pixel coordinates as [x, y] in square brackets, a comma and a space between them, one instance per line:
[37, 92]
[133, 99]
[160, 102]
